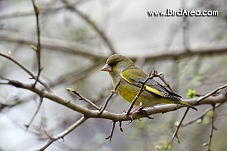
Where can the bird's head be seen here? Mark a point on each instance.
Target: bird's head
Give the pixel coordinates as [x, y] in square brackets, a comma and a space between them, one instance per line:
[116, 63]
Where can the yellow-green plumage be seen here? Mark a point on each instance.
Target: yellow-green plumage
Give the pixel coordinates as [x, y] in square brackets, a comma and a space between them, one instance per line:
[123, 70]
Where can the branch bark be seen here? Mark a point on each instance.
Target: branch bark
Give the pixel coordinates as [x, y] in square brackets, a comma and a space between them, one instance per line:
[63, 134]
[68, 47]
[220, 98]
[63, 46]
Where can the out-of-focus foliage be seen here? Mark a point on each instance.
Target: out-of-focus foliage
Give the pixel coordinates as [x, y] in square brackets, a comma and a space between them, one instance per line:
[191, 93]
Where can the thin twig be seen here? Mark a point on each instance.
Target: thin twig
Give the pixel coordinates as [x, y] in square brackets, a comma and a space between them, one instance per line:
[211, 93]
[109, 97]
[72, 91]
[28, 12]
[178, 126]
[212, 129]
[120, 126]
[185, 24]
[153, 72]
[63, 134]
[26, 70]
[161, 77]
[112, 131]
[3, 106]
[100, 33]
[36, 112]
[199, 116]
[4, 83]
[38, 46]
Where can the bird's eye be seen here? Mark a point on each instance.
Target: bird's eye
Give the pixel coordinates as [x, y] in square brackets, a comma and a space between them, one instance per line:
[112, 64]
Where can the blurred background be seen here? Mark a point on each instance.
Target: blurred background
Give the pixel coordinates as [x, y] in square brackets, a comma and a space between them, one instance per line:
[76, 37]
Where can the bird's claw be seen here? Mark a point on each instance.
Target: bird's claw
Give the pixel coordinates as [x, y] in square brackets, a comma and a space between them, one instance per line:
[139, 110]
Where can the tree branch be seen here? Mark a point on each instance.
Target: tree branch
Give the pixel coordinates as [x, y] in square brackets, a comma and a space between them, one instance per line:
[88, 113]
[205, 49]
[108, 98]
[212, 128]
[44, 10]
[63, 134]
[82, 98]
[211, 93]
[67, 47]
[200, 116]
[100, 33]
[38, 46]
[221, 97]
[175, 134]
[63, 46]
[26, 70]
[112, 132]
[34, 115]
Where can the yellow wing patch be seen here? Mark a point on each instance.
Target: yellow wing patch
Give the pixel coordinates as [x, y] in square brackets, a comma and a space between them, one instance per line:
[125, 78]
[154, 90]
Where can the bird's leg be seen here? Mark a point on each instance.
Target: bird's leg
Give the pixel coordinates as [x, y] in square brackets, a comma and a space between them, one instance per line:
[139, 109]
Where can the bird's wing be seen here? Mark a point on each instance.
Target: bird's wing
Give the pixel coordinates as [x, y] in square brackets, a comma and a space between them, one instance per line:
[161, 88]
[136, 76]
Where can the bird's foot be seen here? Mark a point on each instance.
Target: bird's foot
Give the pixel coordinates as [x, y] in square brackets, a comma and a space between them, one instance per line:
[139, 109]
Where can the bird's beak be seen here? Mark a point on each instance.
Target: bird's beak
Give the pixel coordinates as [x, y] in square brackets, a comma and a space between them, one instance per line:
[106, 68]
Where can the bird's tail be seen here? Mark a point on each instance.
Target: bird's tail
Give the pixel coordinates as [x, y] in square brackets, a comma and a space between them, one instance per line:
[188, 105]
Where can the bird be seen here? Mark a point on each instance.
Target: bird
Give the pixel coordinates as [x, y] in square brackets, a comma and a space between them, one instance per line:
[128, 79]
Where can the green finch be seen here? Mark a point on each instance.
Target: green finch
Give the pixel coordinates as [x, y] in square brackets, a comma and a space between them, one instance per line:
[129, 79]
